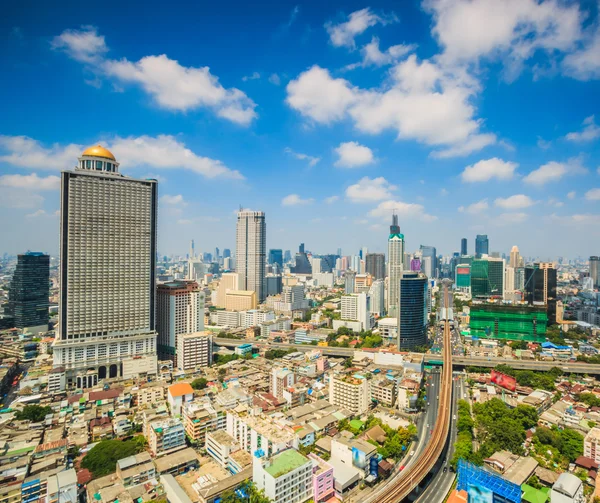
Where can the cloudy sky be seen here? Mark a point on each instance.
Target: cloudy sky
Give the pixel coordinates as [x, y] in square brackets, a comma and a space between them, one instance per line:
[464, 117]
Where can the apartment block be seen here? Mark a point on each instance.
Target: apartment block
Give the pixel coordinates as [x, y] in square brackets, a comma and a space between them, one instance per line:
[349, 393]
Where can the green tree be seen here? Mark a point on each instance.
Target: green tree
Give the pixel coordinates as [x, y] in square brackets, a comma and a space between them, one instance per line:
[199, 383]
[102, 458]
[33, 413]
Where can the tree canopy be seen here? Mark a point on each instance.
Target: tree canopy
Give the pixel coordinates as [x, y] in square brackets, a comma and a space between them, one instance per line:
[199, 383]
[33, 413]
[102, 458]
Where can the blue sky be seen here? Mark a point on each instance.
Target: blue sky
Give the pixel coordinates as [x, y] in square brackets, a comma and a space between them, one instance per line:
[465, 117]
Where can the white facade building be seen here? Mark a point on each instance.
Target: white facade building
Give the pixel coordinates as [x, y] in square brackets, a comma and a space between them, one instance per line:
[62, 487]
[251, 248]
[377, 295]
[350, 393]
[395, 266]
[281, 379]
[194, 350]
[286, 477]
[107, 269]
[356, 307]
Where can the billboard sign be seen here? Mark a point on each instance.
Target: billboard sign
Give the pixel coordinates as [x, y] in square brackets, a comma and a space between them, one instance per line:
[504, 381]
[463, 270]
[483, 486]
[359, 458]
[480, 494]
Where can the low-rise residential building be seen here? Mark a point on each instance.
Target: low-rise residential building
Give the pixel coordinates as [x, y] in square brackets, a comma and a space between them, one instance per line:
[148, 395]
[165, 436]
[591, 444]
[258, 433]
[194, 350]
[136, 469]
[179, 394]
[200, 417]
[323, 481]
[567, 489]
[285, 477]
[350, 393]
[383, 390]
[219, 446]
[177, 463]
[62, 487]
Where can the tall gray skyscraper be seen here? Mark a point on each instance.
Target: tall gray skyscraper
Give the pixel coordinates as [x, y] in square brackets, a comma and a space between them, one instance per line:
[375, 265]
[482, 245]
[463, 247]
[595, 270]
[395, 265]
[107, 272]
[251, 249]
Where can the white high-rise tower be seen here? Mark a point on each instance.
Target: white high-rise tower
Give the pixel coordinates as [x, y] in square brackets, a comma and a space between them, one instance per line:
[395, 266]
[107, 272]
[251, 250]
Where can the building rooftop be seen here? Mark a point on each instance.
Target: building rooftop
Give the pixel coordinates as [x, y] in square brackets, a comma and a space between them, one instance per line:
[181, 389]
[285, 462]
[222, 437]
[567, 484]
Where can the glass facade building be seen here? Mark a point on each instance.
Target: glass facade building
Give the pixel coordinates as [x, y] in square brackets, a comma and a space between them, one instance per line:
[487, 278]
[375, 265]
[28, 292]
[276, 257]
[482, 245]
[463, 246]
[413, 311]
[512, 322]
[540, 287]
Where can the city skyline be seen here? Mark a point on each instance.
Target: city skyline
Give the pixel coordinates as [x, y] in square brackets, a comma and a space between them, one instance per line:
[475, 139]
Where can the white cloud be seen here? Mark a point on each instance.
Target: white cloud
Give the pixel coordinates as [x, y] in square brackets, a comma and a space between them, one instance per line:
[555, 202]
[572, 194]
[166, 152]
[403, 210]
[253, 76]
[487, 169]
[593, 195]
[444, 192]
[353, 155]
[84, 45]
[31, 182]
[373, 56]
[331, 199]
[312, 161]
[370, 189]
[295, 200]
[590, 131]
[516, 202]
[475, 208]
[163, 151]
[343, 34]
[29, 153]
[543, 144]
[38, 213]
[177, 199]
[511, 218]
[171, 85]
[421, 102]
[584, 64]
[274, 79]
[510, 30]
[553, 171]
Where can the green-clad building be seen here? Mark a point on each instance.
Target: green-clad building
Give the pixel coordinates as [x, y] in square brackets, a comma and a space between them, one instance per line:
[512, 322]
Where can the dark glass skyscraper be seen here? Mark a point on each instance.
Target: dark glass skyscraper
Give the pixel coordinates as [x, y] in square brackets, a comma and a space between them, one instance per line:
[276, 257]
[375, 265]
[482, 245]
[463, 246]
[412, 319]
[226, 253]
[28, 292]
[540, 287]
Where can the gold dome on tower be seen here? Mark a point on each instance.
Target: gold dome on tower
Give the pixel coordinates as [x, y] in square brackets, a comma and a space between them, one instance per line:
[99, 151]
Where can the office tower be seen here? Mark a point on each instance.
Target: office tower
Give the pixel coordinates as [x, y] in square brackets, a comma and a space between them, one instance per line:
[395, 265]
[226, 253]
[227, 265]
[487, 277]
[482, 245]
[207, 257]
[228, 281]
[344, 263]
[375, 265]
[196, 269]
[192, 251]
[251, 244]
[328, 262]
[377, 294]
[273, 284]
[595, 270]
[463, 246]
[107, 272]
[430, 268]
[540, 287]
[301, 248]
[28, 293]
[356, 307]
[302, 265]
[276, 257]
[515, 258]
[412, 318]
[520, 278]
[287, 256]
[217, 254]
[355, 263]
[339, 252]
[349, 281]
[364, 251]
[463, 278]
[179, 310]
[315, 265]
[509, 283]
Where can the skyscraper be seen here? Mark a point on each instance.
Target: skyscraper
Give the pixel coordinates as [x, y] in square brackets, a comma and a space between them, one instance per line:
[595, 270]
[540, 287]
[28, 293]
[395, 265]
[487, 278]
[482, 245]
[375, 265]
[515, 258]
[180, 310]
[377, 295]
[107, 272]
[432, 270]
[349, 281]
[463, 246]
[226, 253]
[412, 317]
[251, 249]
[276, 257]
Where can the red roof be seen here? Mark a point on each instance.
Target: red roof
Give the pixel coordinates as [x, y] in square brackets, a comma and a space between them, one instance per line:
[105, 395]
[181, 389]
[84, 476]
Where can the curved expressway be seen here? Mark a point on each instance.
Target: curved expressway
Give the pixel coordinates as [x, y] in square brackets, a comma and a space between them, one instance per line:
[418, 470]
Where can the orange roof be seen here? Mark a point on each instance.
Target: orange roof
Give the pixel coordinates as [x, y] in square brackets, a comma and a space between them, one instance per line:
[458, 497]
[180, 389]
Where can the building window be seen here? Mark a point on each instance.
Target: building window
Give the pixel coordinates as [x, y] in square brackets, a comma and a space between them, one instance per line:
[98, 165]
[88, 164]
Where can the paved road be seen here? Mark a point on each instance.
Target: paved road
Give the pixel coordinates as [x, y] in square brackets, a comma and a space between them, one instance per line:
[441, 483]
[457, 361]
